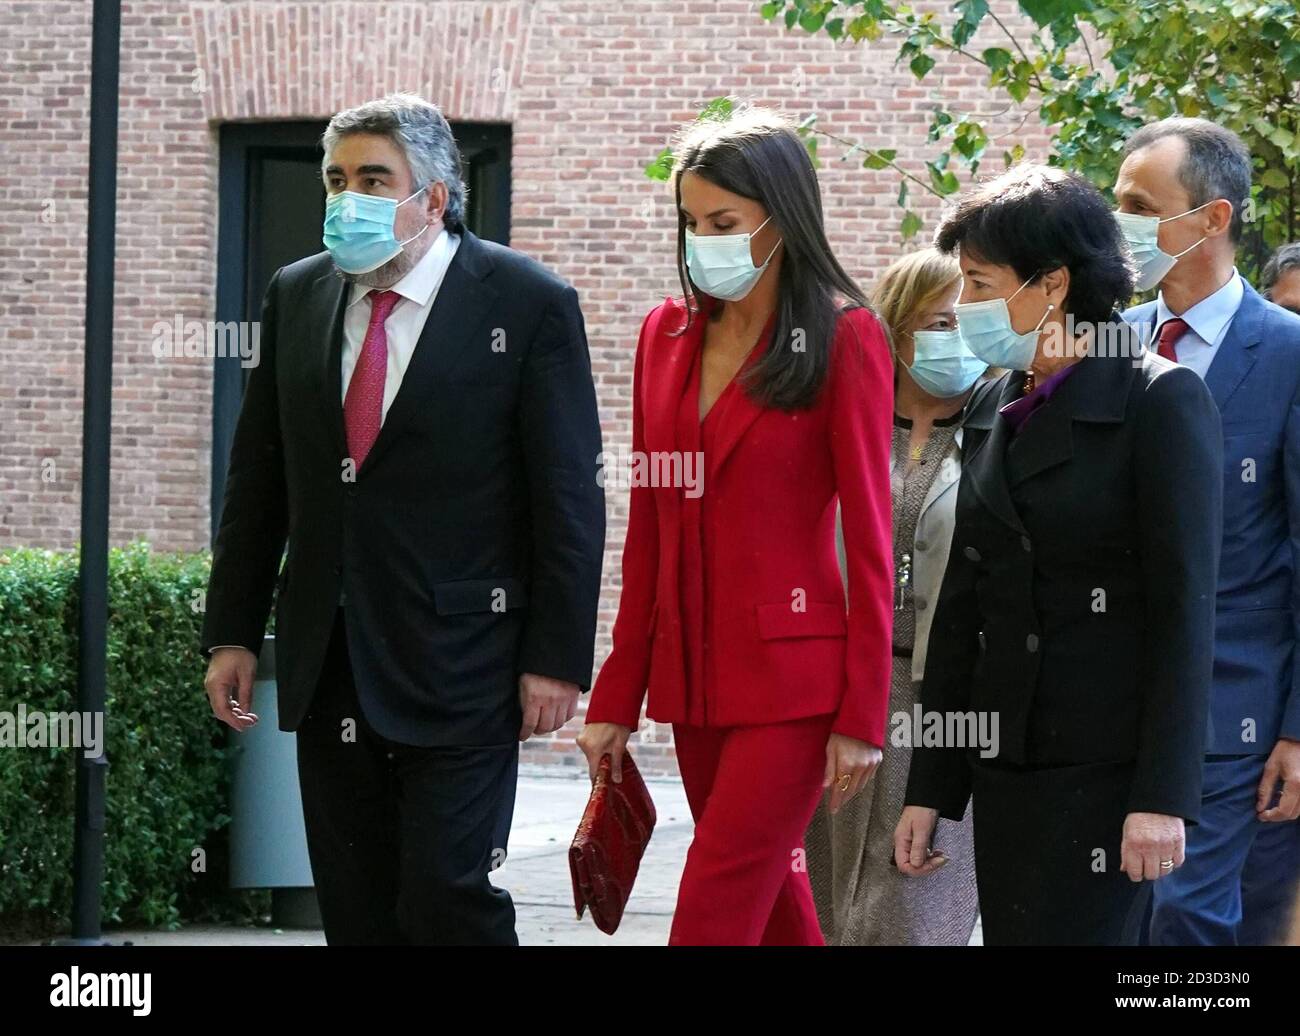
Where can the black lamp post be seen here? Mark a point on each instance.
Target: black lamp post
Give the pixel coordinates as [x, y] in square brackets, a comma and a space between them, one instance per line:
[92, 660]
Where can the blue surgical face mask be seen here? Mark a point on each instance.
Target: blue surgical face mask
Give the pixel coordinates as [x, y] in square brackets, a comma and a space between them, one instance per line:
[986, 329]
[359, 230]
[942, 365]
[722, 265]
[1142, 233]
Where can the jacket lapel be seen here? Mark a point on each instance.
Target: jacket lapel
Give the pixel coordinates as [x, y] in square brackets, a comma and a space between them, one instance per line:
[741, 410]
[1047, 439]
[462, 302]
[666, 366]
[946, 479]
[985, 468]
[1097, 392]
[976, 416]
[330, 299]
[1236, 353]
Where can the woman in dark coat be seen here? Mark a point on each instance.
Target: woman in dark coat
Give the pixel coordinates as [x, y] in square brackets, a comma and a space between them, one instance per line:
[1076, 617]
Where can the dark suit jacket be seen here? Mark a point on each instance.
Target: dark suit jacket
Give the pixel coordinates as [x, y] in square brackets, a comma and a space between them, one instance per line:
[1078, 602]
[470, 543]
[1255, 380]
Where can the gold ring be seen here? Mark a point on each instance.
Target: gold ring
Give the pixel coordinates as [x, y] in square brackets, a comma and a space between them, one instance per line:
[845, 778]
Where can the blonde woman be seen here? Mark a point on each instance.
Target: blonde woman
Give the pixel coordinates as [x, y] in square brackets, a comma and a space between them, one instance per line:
[861, 898]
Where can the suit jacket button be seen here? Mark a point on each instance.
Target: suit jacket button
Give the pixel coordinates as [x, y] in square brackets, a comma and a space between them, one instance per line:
[972, 553]
[1024, 542]
[1031, 643]
[921, 604]
[922, 545]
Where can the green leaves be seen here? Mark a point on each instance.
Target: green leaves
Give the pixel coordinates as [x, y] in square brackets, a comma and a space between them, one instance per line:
[1049, 12]
[1092, 71]
[662, 166]
[942, 180]
[969, 140]
[168, 782]
[997, 58]
[881, 159]
[971, 13]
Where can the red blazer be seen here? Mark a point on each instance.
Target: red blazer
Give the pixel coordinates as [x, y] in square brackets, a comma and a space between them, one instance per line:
[784, 644]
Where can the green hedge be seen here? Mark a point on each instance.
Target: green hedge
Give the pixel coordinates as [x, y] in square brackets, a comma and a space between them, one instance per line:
[168, 775]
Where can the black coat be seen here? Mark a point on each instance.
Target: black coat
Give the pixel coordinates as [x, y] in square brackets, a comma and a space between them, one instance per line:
[1078, 601]
[470, 543]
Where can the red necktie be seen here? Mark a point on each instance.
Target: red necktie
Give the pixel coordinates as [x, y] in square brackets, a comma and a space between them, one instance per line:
[1170, 331]
[363, 406]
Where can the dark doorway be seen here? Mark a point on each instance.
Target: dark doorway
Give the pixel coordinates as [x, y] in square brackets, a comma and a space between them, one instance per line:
[271, 203]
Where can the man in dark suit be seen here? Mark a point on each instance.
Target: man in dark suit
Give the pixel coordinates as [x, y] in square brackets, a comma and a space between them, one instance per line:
[422, 429]
[1187, 180]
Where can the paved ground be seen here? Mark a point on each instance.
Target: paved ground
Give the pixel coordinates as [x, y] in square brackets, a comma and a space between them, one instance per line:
[537, 874]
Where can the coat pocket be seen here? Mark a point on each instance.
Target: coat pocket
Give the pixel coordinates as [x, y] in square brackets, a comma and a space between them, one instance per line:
[818, 619]
[465, 596]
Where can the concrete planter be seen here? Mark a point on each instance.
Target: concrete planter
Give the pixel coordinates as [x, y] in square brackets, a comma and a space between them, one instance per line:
[268, 842]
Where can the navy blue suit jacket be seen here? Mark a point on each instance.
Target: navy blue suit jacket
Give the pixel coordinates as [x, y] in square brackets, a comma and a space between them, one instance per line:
[1255, 380]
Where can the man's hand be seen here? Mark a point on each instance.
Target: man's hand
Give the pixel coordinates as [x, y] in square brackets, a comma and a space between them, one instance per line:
[912, 836]
[548, 704]
[1151, 839]
[229, 684]
[849, 765]
[1283, 765]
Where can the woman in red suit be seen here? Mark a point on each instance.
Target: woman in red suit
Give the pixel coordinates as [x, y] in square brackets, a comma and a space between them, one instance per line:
[775, 375]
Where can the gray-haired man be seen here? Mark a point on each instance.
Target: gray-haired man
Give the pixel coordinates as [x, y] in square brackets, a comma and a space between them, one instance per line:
[1280, 280]
[422, 430]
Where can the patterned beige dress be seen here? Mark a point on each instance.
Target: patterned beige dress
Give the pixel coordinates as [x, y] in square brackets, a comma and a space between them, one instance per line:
[862, 900]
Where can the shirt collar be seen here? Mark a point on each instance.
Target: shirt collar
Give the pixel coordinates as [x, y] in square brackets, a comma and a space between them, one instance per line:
[1019, 409]
[1211, 315]
[420, 281]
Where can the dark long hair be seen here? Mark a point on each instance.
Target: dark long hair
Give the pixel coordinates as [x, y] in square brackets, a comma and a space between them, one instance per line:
[756, 153]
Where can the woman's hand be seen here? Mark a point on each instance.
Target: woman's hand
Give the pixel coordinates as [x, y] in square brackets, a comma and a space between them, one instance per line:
[849, 765]
[912, 853]
[598, 740]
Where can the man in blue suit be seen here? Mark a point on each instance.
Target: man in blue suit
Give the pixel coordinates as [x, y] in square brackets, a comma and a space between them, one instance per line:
[1181, 190]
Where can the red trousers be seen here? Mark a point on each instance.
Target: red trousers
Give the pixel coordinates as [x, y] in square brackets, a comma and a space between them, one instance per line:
[752, 791]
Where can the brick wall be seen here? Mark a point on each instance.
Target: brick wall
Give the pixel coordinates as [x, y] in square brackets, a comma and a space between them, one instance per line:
[592, 91]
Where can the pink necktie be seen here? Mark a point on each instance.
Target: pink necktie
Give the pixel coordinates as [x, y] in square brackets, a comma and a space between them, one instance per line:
[363, 406]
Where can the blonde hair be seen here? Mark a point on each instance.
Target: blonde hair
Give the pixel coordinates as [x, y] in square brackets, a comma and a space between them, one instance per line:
[910, 284]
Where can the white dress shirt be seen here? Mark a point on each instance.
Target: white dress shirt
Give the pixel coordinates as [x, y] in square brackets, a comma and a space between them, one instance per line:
[1207, 324]
[418, 290]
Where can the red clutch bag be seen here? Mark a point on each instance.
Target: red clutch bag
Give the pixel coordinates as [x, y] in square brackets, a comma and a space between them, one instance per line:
[611, 839]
